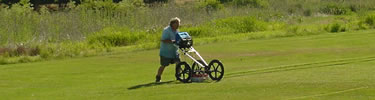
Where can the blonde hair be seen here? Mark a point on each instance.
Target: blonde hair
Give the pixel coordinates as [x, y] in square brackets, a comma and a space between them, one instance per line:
[174, 20]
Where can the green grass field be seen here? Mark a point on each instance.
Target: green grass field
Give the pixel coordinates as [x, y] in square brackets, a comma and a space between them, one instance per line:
[334, 66]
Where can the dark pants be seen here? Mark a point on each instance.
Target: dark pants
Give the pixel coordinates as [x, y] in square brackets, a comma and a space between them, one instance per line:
[166, 61]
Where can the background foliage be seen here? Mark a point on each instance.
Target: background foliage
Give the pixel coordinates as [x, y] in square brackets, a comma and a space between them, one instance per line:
[91, 27]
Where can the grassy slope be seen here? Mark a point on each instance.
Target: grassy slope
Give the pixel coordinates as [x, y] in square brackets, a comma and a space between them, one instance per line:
[329, 66]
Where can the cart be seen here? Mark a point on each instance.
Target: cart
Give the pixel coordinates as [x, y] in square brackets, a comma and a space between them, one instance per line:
[200, 69]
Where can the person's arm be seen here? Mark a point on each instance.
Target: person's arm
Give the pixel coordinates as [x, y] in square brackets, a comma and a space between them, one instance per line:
[167, 37]
[167, 41]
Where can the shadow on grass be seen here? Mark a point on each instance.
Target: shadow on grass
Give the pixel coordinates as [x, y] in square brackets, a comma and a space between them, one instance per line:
[151, 84]
[165, 83]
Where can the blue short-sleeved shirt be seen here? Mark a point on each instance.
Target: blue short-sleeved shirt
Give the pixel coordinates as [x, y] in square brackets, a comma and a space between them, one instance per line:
[168, 50]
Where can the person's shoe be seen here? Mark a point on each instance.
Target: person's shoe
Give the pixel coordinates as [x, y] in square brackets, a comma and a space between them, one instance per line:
[158, 79]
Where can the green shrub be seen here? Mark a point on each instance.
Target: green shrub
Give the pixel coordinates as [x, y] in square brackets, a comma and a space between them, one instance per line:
[20, 59]
[251, 3]
[301, 30]
[116, 37]
[3, 60]
[336, 27]
[225, 1]
[22, 7]
[130, 5]
[108, 5]
[47, 50]
[208, 30]
[210, 5]
[24, 59]
[370, 20]
[194, 31]
[228, 26]
[355, 8]
[276, 26]
[155, 1]
[241, 24]
[335, 9]
[307, 12]
[97, 4]
[362, 25]
[71, 49]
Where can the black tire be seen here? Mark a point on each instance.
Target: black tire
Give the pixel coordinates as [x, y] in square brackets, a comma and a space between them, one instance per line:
[215, 70]
[183, 72]
[198, 69]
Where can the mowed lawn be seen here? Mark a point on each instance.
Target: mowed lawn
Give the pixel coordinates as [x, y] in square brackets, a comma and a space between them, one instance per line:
[335, 66]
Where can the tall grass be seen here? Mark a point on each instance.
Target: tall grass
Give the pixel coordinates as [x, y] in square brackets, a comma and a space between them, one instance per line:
[227, 26]
[94, 27]
[22, 25]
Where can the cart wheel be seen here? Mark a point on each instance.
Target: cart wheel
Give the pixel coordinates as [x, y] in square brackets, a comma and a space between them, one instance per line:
[183, 72]
[216, 70]
[198, 69]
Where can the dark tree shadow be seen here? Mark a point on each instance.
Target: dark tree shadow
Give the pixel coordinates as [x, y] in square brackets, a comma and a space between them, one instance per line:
[150, 85]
